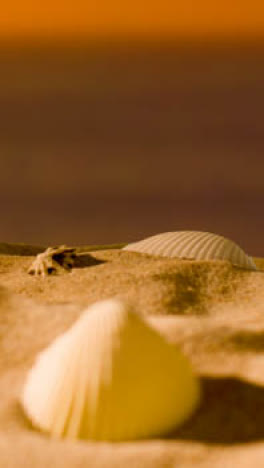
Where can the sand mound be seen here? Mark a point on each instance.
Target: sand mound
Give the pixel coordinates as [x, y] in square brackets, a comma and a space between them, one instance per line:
[213, 311]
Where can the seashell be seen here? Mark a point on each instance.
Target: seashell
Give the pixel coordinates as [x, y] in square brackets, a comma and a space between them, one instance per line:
[193, 245]
[112, 377]
[53, 260]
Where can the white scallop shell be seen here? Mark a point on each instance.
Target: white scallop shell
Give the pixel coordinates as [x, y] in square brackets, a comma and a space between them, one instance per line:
[110, 377]
[193, 245]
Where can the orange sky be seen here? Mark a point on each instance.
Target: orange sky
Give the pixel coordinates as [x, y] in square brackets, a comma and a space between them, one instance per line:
[131, 17]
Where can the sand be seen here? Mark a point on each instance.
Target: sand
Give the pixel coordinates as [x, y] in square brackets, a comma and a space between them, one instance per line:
[213, 311]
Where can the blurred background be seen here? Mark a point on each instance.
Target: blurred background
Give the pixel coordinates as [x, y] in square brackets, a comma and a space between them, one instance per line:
[122, 121]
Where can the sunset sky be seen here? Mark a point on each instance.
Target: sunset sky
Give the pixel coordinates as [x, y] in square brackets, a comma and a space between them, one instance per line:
[110, 144]
[29, 18]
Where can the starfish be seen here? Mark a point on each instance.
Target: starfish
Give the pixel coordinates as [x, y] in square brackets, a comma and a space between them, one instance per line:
[54, 260]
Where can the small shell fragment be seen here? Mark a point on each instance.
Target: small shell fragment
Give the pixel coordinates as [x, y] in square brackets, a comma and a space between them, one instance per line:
[193, 245]
[112, 377]
[54, 260]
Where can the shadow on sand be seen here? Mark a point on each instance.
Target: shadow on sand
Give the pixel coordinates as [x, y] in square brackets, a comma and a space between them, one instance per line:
[232, 411]
[86, 260]
[248, 341]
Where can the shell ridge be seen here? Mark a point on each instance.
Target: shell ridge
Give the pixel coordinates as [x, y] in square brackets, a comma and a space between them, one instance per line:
[217, 249]
[74, 420]
[227, 254]
[184, 240]
[164, 243]
[206, 244]
[235, 256]
[159, 242]
[142, 244]
[64, 404]
[191, 248]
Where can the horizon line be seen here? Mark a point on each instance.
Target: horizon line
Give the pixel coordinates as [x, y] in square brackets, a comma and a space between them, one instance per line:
[180, 40]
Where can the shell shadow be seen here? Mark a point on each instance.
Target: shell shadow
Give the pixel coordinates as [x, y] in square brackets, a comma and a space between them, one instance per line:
[248, 341]
[231, 412]
[84, 260]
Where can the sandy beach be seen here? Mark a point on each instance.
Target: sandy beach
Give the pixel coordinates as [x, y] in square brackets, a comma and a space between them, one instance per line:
[211, 310]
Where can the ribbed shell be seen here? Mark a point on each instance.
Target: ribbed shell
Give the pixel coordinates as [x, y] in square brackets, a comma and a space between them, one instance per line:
[110, 377]
[193, 245]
